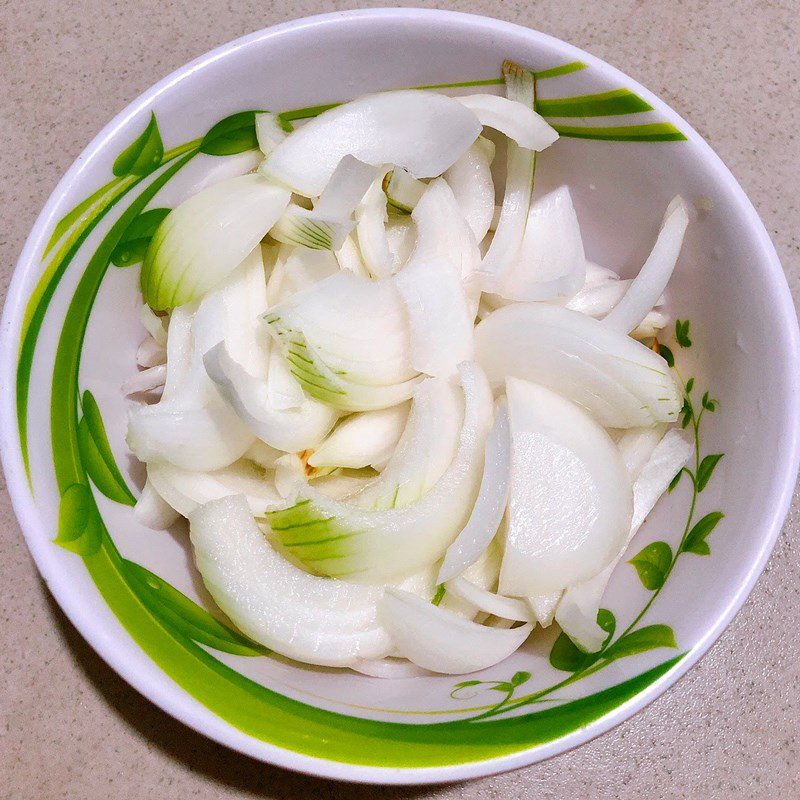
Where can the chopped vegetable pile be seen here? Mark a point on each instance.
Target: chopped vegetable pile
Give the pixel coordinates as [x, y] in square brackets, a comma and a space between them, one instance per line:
[407, 426]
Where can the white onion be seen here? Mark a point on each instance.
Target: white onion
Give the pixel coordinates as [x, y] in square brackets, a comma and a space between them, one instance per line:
[470, 178]
[490, 505]
[509, 608]
[441, 641]
[153, 511]
[422, 131]
[515, 119]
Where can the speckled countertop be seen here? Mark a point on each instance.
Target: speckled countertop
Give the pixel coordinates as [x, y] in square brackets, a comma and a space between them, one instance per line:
[69, 727]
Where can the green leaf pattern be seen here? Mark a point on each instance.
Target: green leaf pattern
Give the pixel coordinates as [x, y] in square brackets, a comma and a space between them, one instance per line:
[143, 155]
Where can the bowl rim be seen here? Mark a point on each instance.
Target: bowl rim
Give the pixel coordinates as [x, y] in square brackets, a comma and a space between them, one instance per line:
[167, 695]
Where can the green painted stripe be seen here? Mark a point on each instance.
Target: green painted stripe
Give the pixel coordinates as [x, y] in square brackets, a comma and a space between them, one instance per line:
[564, 69]
[80, 211]
[64, 401]
[652, 132]
[604, 104]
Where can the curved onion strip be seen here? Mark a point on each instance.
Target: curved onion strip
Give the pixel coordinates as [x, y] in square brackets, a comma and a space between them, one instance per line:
[312, 619]
[205, 238]
[519, 184]
[490, 505]
[153, 511]
[544, 606]
[551, 261]
[283, 390]
[371, 219]
[441, 641]
[290, 429]
[385, 128]
[621, 382]
[514, 118]
[156, 326]
[649, 284]
[392, 668]
[470, 178]
[341, 539]
[270, 132]
[146, 380]
[362, 439]
[577, 611]
[184, 490]
[498, 605]
[151, 353]
[570, 522]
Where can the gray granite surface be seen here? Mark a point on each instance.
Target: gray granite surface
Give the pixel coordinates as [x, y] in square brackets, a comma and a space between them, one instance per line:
[70, 728]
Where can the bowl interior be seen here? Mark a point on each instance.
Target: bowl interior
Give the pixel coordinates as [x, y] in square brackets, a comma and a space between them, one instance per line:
[743, 335]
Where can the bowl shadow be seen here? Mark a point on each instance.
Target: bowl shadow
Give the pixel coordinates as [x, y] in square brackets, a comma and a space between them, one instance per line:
[194, 751]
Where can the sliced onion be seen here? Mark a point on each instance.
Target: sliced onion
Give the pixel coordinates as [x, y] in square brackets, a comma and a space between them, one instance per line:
[262, 454]
[426, 448]
[155, 325]
[618, 380]
[490, 505]
[206, 237]
[151, 353]
[185, 490]
[270, 132]
[146, 380]
[290, 429]
[311, 229]
[371, 218]
[650, 326]
[392, 668]
[349, 258]
[512, 117]
[403, 190]
[636, 446]
[441, 641]
[649, 284]
[551, 262]
[349, 183]
[362, 439]
[499, 605]
[153, 511]
[211, 170]
[470, 178]
[422, 131]
[544, 606]
[301, 616]
[570, 522]
[341, 539]
[283, 390]
[401, 236]
[510, 227]
[577, 611]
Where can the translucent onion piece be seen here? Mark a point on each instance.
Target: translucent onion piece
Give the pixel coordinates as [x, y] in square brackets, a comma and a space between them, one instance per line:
[621, 382]
[512, 117]
[301, 616]
[283, 390]
[403, 190]
[349, 258]
[394, 669]
[544, 607]
[470, 178]
[156, 326]
[426, 448]
[206, 237]
[151, 353]
[489, 507]
[152, 511]
[510, 228]
[341, 539]
[636, 446]
[146, 380]
[650, 326]
[570, 522]
[577, 611]
[349, 183]
[496, 604]
[362, 439]
[441, 641]
[290, 429]
[649, 284]
[184, 490]
[262, 454]
[311, 229]
[401, 236]
[270, 132]
[551, 262]
[211, 170]
[422, 131]
[371, 218]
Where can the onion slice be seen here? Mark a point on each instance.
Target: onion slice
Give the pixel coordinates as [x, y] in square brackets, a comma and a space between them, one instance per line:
[649, 284]
[496, 604]
[514, 118]
[441, 641]
[385, 128]
[490, 505]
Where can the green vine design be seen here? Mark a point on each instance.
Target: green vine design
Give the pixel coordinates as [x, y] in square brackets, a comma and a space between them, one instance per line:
[168, 625]
[654, 564]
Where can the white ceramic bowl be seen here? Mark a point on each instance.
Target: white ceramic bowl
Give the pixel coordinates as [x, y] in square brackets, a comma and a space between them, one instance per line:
[81, 330]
